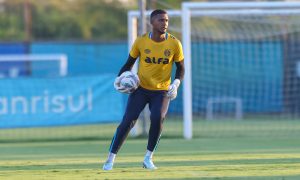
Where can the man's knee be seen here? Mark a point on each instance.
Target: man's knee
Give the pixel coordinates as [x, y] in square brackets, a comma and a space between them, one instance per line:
[127, 124]
[157, 118]
[129, 116]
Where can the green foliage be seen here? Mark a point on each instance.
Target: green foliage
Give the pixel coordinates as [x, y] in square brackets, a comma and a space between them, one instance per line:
[96, 20]
[11, 21]
[168, 4]
[64, 20]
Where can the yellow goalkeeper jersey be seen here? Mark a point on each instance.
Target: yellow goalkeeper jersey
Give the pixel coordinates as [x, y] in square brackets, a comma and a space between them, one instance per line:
[156, 60]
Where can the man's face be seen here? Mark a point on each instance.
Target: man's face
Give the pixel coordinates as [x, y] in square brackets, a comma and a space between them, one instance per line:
[160, 23]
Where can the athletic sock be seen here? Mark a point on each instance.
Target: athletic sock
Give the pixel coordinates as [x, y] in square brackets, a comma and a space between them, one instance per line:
[111, 157]
[149, 154]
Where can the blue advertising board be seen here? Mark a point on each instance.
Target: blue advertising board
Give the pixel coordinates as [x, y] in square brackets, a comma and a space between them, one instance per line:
[35, 102]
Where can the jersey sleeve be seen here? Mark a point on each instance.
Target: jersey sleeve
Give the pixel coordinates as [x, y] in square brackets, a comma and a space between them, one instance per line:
[135, 52]
[178, 56]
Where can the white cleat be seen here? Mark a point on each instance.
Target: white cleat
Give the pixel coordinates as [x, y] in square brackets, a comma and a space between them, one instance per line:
[148, 164]
[108, 166]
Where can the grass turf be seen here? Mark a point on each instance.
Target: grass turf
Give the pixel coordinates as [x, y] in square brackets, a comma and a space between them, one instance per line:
[205, 158]
[225, 150]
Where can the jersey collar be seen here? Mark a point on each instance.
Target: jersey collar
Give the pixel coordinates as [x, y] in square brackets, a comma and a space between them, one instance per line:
[150, 35]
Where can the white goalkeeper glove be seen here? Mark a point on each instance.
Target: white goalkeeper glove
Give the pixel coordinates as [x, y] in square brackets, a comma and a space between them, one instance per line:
[172, 92]
[118, 87]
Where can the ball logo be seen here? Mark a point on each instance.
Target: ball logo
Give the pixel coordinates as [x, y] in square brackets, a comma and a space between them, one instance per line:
[167, 52]
[147, 51]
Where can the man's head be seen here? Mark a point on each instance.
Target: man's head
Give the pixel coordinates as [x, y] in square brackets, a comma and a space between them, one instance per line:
[159, 20]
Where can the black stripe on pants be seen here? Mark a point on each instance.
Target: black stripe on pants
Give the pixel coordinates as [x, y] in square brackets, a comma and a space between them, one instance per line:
[158, 105]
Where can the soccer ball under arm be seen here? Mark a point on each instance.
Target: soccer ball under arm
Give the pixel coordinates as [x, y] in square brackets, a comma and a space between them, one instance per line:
[127, 82]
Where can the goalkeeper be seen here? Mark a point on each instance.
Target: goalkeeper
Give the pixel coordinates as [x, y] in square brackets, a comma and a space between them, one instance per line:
[157, 51]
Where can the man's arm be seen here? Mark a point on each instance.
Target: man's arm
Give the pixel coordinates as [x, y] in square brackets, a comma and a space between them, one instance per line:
[128, 65]
[179, 70]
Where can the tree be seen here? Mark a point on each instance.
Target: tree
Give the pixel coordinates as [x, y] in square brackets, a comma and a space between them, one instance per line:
[65, 20]
[11, 22]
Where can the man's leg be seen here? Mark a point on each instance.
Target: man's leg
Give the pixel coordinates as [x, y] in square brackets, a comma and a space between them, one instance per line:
[158, 105]
[136, 103]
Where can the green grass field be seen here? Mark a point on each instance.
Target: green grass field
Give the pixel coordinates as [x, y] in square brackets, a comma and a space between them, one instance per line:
[273, 153]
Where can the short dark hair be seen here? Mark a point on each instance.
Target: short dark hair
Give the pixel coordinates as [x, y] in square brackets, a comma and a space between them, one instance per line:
[156, 12]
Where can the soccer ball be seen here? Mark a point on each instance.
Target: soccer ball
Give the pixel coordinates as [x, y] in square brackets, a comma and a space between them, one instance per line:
[129, 81]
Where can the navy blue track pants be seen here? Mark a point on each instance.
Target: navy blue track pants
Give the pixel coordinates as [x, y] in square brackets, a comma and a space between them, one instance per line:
[158, 105]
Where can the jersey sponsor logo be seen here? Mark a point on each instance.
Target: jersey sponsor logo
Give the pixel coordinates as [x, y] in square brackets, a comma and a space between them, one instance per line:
[157, 61]
[167, 52]
[147, 51]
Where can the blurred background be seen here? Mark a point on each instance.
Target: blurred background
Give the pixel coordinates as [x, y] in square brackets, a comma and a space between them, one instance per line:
[59, 109]
[58, 63]
[59, 59]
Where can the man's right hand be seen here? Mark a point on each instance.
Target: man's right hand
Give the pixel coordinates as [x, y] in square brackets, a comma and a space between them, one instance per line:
[118, 87]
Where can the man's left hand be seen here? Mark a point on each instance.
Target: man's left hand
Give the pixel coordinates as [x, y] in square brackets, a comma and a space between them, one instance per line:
[172, 92]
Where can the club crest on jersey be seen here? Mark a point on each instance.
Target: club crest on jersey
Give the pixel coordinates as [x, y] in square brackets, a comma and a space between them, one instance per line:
[154, 60]
[147, 51]
[167, 52]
